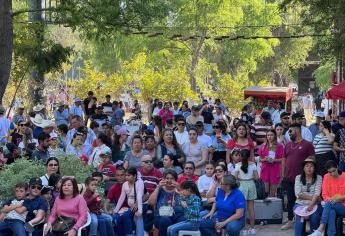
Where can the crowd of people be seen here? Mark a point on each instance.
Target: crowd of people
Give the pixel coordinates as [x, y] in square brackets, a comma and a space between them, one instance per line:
[190, 168]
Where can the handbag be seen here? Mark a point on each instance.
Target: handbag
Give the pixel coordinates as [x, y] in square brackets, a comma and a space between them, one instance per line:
[167, 210]
[63, 224]
[260, 189]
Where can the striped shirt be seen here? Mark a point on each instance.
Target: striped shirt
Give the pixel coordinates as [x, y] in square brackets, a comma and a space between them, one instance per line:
[260, 131]
[321, 144]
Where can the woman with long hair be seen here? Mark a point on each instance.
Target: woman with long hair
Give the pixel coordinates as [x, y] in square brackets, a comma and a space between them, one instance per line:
[279, 128]
[323, 144]
[133, 191]
[308, 193]
[271, 155]
[168, 144]
[219, 140]
[52, 167]
[240, 141]
[120, 146]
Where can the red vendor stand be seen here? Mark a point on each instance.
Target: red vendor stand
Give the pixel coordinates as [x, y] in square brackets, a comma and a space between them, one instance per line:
[261, 95]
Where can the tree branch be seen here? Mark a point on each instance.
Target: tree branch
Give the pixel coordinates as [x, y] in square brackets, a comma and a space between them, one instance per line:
[19, 12]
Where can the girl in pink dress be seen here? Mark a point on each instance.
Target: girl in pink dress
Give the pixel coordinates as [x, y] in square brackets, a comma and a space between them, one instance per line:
[271, 155]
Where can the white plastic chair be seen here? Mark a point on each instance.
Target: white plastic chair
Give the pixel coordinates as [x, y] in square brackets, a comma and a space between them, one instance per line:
[190, 233]
[88, 222]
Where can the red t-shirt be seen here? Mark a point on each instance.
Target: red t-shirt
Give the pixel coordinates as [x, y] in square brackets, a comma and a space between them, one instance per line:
[151, 179]
[183, 178]
[232, 144]
[114, 194]
[107, 170]
[295, 154]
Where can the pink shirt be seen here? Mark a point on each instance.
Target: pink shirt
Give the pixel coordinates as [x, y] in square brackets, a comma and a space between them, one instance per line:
[165, 115]
[128, 192]
[75, 207]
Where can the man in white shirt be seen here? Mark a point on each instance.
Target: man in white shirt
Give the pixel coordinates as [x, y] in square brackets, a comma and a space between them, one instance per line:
[4, 125]
[297, 118]
[204, 139]
[276, 114]
[77, 109]
[269, 107]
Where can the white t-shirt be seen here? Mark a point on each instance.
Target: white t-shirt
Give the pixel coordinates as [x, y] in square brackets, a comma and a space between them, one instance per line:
[181, 138]
[204, 183]
[45, 179]
[249, 174]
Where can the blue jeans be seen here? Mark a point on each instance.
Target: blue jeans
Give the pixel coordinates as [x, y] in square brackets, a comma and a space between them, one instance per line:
[103, 222]
[163, 222]
[184, 225]
[329, 215]
[207, 227]
[314, 220]
[12, 227]
[124, 224]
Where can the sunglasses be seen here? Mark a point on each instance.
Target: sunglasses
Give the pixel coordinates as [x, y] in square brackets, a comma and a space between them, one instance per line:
[181, 124]
[219, 170]
[147, 162]
[50, 165]
[36, 187]
[21, 125]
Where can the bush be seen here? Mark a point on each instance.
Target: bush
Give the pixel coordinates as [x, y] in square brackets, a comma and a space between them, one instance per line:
[22, 170]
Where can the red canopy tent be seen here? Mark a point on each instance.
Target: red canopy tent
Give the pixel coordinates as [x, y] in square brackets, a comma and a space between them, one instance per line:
[269, 92]
[337, 92]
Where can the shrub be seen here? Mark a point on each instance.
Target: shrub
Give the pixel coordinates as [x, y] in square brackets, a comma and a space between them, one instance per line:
[22, 170]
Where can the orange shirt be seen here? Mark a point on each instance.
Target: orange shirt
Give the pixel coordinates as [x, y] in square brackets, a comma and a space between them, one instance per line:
[332, 187]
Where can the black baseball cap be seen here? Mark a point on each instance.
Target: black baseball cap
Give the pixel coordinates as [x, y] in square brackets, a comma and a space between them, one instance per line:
[285, 114]
[35, 181]
[297, 115]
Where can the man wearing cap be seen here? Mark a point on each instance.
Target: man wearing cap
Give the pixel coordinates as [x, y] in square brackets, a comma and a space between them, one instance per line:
[195, 116]
[314, 128]
[77, 109]
[19, 115]
[260, 129]
[4, 126]
[61, 115]
[295, 153]
[41, 152]
[35, 206]
[276, 114]
[285, 121]
[297, 118]
[339, 142]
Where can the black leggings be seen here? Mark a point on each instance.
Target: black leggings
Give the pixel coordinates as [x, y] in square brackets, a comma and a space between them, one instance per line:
[291, 197]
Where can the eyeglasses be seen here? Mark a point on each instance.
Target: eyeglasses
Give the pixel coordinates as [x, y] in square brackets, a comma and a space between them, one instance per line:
[51, 165]
[147, 162]
[219, 170]
[189, 168]
[181, 124]
[216, 127]
[36, 187]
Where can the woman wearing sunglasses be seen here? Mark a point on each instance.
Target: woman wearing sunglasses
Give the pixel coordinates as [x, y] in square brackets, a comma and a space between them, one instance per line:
[219, 139]
[219, 172]
[333, 194]
[52, 167]
[308, 191]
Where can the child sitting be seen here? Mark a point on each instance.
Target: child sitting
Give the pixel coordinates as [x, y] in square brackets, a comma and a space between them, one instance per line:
[205, 181]
[235, 158]
[190, 200]
[98, 219]
[10, 219]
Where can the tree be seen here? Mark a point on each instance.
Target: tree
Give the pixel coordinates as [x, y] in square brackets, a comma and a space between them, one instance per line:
[6, 44]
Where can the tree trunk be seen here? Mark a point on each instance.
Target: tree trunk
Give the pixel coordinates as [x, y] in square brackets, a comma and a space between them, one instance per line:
[36, 85]
[196, 47]
[6, 44]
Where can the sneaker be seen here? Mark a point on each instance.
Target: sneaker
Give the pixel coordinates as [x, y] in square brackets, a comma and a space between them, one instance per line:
[245, 232]
[316, 233]
[288, 225]
[252, 231]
